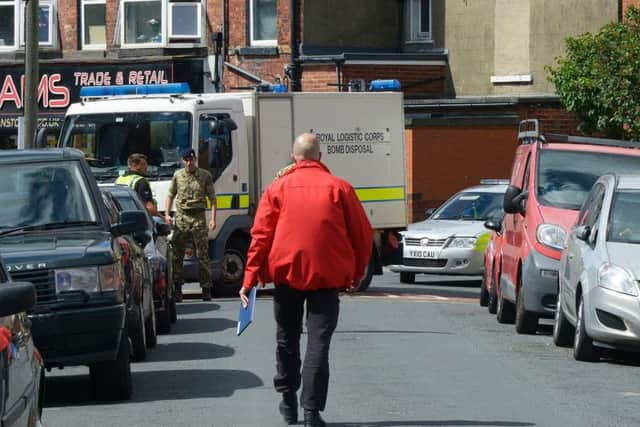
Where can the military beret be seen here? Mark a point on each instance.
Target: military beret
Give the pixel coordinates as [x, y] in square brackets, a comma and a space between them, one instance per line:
[187, 152]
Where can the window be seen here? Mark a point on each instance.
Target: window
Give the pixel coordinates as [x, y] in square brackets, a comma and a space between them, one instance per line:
[12, 27]
[7, 24]
[45, 23]
[214, 144]
[161, 23]
[418, 19]
[94, 29]
[184, 20]
[263, 26]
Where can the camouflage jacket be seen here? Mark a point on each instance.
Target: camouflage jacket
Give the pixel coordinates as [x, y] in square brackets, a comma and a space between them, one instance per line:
[192, 191]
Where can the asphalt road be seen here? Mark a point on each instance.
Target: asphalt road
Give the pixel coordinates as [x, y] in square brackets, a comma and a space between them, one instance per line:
[403, 355]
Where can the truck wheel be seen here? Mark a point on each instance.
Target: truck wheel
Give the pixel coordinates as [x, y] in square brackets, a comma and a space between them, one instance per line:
[583, 348]
[164, 316]
[562, 329]
[233, 263]
[138, 336]
[526, 321]
[151, 333]
[368, 274]
[112, 380]
[407, 277]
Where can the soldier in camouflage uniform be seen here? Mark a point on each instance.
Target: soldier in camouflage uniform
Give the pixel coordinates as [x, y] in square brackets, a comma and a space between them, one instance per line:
[192, 188]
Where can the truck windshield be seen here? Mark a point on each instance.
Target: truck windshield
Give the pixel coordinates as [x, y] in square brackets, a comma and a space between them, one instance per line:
[566, 177]
[624, 221]
[107, 140]
[44, 194]
[471, 206]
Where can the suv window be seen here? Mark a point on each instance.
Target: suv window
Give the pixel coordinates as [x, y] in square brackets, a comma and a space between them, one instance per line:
[566, 177]
[45, 193]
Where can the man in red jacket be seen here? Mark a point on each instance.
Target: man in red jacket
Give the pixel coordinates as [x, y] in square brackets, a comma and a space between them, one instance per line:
[311, 238]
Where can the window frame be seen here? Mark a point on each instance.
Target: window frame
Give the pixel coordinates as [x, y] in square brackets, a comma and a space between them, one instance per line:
[163, 27]
[51, 4]
[16, 25]
[92, 46]
[252, 40]
[198, 34]
[413, 20]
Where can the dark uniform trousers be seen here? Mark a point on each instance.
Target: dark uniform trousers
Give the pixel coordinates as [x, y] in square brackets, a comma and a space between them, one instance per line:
[323, 307]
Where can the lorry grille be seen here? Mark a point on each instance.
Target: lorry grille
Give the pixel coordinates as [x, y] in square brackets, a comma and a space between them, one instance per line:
[416, 241]
[417, 262]
[42, 280]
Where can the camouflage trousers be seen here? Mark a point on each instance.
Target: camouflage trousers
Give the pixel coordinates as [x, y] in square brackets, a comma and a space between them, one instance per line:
[191, 228]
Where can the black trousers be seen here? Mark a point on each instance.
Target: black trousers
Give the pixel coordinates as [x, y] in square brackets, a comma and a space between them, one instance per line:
[323, 307]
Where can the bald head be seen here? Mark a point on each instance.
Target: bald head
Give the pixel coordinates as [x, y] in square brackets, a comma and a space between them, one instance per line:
[306, 147]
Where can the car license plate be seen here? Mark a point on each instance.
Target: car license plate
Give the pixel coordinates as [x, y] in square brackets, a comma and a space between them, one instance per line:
[425, 253]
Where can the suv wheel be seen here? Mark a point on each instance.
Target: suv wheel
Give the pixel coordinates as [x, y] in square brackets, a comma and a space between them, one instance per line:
[112, 380]
[526, 321]
[137, 334]
[407, 277]
[562, 329]
[583, 348]
[368, 273]
[505, 312]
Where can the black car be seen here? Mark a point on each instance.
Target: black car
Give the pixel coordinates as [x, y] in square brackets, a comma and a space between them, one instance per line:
[141, 319]
[21, 378]
[56, 233]
[157, 251]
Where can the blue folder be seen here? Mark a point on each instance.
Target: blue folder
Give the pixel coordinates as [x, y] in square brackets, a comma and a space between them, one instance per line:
[246, 313]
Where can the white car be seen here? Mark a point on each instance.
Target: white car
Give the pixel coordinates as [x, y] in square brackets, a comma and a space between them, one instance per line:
[453, 238]
[599, 296]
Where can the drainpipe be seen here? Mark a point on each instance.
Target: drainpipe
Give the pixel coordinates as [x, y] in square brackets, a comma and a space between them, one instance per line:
[295, 69]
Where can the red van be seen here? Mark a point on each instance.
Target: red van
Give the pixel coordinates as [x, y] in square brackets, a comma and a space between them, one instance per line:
[550, 178]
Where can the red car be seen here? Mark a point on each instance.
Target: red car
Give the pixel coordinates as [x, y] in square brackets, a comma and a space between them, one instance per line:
[490, 286]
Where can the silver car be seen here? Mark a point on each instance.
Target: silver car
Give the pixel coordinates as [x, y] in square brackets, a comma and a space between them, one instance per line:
[453, 238]
[599, 299]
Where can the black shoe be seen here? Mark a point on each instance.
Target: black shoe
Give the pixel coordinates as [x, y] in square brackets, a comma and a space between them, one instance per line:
[289, 408]
[313, 419]
[206, 294]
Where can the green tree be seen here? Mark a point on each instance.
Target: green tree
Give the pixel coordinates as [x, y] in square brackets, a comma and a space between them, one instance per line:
[599, 78]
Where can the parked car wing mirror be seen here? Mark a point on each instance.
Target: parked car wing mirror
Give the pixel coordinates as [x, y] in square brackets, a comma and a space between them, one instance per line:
[16, 297]
[494, 225]
[162, 228]
[513, 200]
[130, 222]
[429, 212]
[583, 232]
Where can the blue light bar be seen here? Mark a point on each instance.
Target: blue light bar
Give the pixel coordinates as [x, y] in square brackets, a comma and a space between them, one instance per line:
[384, 85]
[152, 89]
[279, 88]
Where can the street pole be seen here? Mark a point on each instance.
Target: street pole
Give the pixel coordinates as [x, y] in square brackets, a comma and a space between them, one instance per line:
[31, 74]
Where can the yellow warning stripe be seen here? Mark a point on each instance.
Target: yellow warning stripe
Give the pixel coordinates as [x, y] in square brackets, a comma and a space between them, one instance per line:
[223, 201]
[380, 194]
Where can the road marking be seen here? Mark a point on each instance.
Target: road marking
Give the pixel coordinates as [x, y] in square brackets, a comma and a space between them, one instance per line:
[417, 298]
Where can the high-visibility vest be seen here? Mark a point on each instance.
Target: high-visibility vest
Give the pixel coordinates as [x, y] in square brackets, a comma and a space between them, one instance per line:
[131, 180]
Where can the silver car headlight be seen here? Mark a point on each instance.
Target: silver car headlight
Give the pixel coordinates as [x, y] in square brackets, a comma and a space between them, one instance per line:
[551, 235]
[88, 279]
[462, 242]
[617, 279]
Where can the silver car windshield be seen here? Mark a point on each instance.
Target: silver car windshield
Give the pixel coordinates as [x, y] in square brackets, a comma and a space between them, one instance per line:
[107, 140]
[624, 221]
[566, 177]
[43, 194]
[471, 206]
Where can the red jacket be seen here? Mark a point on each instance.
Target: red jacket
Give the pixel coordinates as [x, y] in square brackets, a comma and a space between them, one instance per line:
[310, 232]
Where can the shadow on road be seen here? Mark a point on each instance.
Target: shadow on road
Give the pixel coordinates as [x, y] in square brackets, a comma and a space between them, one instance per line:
[173, 352]
[196, 307]
[433, 423]
[383, 331]
[155, 385]
[198, 326]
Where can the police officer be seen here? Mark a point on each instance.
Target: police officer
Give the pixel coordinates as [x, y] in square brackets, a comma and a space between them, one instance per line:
[192, 188]
[134, 177]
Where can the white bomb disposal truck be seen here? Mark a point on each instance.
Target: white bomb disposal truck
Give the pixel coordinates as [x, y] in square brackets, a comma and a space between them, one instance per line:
[243, 139]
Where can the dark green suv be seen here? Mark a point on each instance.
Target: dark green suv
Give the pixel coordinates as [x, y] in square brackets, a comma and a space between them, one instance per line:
[56, 233]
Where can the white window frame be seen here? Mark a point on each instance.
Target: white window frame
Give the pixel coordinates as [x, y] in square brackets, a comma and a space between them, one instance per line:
[52, 21]
[163, 32]
[252, 40]
[92, 46]
[16, 25]
[198, 33]
[413, 19]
